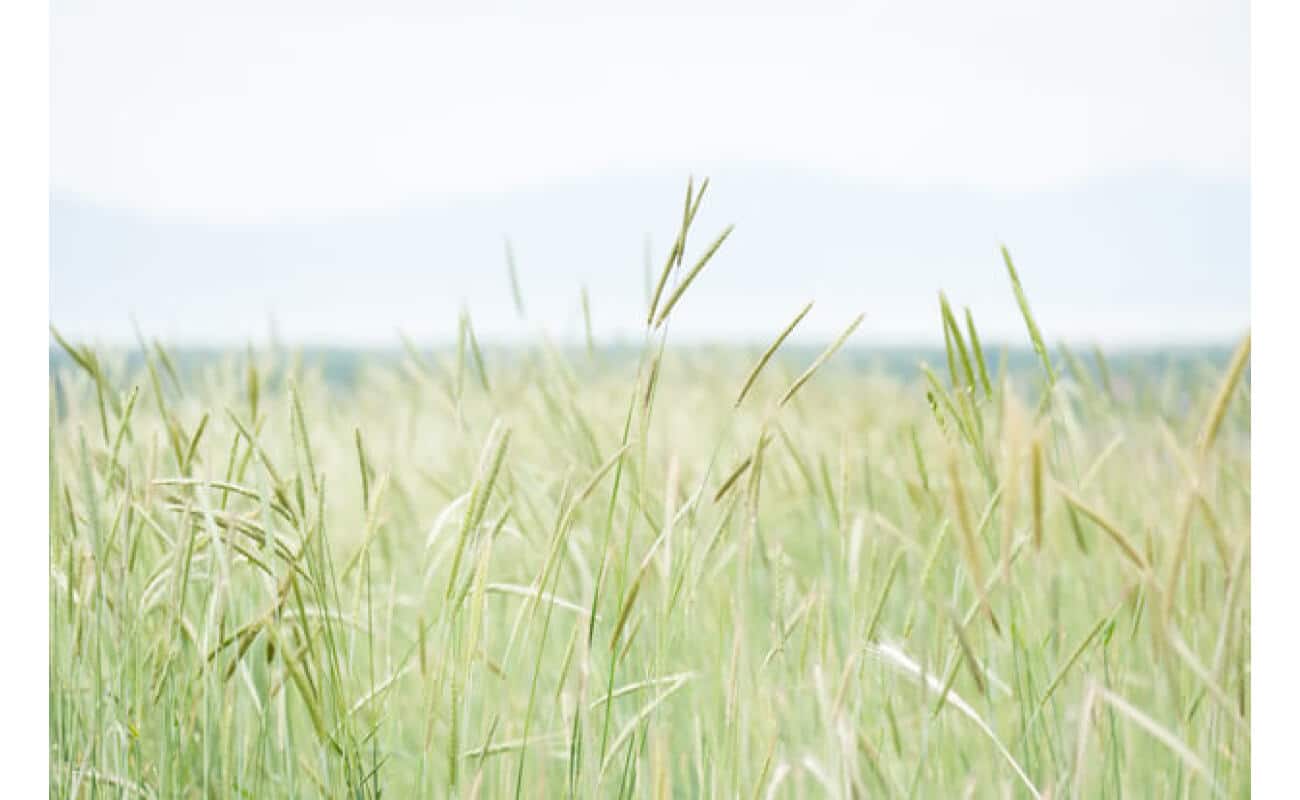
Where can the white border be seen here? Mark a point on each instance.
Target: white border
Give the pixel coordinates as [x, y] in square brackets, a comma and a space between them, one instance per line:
[1275, 517]
[24, 449]
[1275, 255]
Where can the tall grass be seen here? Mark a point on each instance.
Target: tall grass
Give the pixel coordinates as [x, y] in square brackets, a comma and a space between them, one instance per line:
[562, 576]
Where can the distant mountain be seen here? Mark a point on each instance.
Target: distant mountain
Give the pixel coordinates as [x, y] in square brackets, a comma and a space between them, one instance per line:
[1145, 259]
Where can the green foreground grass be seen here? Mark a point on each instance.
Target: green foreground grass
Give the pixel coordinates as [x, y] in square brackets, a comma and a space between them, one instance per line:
[576, 578]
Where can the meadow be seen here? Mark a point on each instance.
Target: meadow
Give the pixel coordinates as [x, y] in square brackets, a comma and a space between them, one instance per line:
[676, 573]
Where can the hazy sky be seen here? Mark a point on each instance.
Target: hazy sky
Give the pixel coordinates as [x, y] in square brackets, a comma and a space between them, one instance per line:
[207, 121]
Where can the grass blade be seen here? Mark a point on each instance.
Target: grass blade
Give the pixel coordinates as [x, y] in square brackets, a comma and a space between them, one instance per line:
[769, 352]
[821, 359]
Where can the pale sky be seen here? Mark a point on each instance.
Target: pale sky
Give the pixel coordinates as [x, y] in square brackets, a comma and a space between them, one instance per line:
[242, 114]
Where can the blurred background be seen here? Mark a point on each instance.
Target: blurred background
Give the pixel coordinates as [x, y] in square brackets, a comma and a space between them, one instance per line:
[332, 173]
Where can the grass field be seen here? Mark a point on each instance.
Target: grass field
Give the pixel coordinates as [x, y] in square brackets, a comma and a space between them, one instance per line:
[677, 574]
